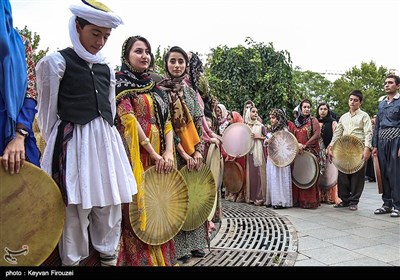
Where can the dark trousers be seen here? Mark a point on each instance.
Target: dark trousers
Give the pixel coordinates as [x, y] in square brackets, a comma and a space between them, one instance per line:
[370, 172]
[351, 186]
[389, 164]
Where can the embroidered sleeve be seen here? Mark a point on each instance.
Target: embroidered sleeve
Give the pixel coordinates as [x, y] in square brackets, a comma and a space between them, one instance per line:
[124, 107]
[30, 65]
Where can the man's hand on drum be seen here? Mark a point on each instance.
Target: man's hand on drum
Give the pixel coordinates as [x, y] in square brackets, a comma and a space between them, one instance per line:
[14, 155]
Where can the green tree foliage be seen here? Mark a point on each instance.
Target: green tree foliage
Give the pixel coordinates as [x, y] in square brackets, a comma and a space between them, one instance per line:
[369, 79]
[313, 86]
[35, 39]
[159, 60]
[256, 72]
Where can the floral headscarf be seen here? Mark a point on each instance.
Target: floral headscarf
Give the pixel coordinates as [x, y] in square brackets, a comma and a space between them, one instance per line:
[280, 116]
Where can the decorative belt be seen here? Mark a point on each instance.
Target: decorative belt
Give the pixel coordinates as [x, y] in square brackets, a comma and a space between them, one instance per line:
[389, 133]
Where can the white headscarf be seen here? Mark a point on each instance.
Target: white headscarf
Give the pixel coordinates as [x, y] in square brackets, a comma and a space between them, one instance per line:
[101, 16]
[256, 128]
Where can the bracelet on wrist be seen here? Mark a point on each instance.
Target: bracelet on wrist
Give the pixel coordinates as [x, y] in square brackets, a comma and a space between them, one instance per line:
[145, 142]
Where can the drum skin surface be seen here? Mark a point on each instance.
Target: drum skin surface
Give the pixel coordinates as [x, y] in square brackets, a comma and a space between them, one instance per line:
[237, 140]
[282, 148]
[202, 191]
[347, 154]
[305, 170]
[329, 178]
[166, 203]
[233, 176]
[32, 216]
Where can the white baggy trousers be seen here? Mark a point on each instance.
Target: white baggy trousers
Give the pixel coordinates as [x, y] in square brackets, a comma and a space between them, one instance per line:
[104, 225]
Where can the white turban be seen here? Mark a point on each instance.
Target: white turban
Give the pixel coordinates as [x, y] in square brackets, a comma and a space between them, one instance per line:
[101, 16]
[96, 13]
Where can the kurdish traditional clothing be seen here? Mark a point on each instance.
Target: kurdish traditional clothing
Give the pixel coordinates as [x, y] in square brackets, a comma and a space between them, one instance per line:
[85, 154]
[279, 179]
[327, 125]
[255, 164]
[387, 139]
[187, 115]
[306, 129]
[139, 98]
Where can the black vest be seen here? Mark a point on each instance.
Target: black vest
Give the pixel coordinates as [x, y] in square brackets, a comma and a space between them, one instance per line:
[83, 93]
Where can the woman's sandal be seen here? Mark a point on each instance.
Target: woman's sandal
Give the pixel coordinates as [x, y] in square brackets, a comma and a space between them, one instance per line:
[340, 205]
[383, 210]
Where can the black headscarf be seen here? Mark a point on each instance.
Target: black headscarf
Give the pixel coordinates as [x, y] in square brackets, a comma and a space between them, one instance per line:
[130, 82]
[326, 129]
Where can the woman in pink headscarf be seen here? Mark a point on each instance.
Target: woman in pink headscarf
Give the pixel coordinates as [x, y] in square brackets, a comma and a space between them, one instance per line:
[235, 117]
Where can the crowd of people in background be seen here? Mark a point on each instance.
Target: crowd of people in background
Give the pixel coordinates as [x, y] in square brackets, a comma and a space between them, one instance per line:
[103, 129]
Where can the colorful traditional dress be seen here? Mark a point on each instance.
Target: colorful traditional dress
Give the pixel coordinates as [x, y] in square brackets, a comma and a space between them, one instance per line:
[327, 125]
[138, 98]
[306, 129]
[186, 117]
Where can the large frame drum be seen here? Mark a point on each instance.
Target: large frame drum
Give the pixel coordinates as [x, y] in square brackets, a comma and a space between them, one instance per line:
[329, 179]
[237, 140]
[347, 154]
[234, 177]
[202, 191]
[215, 162]
[282, 148]
[166, 203]
[32, 216]
[305, 170]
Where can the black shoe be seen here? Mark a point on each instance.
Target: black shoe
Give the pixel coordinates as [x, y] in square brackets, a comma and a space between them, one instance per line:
[198, 253]
[185, 258]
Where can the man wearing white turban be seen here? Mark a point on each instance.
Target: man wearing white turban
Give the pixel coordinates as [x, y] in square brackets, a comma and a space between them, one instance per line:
[84, 154]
